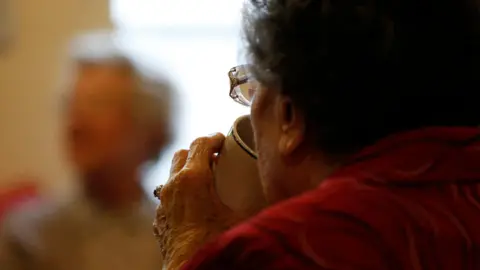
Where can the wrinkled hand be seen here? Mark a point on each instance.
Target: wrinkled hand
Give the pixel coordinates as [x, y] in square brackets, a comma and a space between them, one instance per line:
[190, 211]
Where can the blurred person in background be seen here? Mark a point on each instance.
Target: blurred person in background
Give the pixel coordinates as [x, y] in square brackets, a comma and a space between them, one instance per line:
[117, 120]
[366, 128]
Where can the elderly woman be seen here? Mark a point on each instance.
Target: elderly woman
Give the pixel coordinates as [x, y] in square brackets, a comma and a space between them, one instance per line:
[368, 147]
[117, 119]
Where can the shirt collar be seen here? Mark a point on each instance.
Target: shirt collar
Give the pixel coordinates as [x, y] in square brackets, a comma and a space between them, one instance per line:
[435, 154]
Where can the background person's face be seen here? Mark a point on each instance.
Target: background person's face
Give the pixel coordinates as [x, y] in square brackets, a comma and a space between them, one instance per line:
[100, 128]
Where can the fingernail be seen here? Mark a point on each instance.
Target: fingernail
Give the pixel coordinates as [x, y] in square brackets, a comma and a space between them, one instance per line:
[213, 134]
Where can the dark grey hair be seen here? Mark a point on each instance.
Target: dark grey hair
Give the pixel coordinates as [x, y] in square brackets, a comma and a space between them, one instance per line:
[361, 70]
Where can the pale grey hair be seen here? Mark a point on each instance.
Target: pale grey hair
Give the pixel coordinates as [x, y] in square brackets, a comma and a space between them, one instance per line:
[155, 102]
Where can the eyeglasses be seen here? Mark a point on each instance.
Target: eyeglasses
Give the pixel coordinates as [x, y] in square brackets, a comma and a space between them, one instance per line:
[242, 85]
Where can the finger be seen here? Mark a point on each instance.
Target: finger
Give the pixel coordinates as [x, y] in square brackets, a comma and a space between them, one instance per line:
[178, 161]
[159, 221]
[202, 150]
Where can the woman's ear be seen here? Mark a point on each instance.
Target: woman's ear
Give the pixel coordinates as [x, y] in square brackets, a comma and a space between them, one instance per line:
[292, 126]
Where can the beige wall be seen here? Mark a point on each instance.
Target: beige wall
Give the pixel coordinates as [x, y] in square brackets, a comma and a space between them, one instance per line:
[29, 137]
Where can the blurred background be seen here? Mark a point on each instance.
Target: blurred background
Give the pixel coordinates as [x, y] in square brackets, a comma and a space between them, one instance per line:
[76, 146]
[194, 42]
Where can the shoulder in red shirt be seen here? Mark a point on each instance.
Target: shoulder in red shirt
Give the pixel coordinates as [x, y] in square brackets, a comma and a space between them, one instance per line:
[412, 201]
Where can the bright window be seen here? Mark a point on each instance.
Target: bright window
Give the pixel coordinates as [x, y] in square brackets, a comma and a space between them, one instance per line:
[195, 42]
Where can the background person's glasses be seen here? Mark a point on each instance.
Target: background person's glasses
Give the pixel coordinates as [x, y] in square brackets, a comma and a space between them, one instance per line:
[242, 85]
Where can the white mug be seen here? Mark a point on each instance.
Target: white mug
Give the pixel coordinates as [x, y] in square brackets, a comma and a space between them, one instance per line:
[237, 181]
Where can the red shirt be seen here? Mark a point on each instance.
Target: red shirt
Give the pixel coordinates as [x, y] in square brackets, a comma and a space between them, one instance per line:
[412, 201]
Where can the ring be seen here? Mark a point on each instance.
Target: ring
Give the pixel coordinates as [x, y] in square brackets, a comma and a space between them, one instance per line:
[157, 191]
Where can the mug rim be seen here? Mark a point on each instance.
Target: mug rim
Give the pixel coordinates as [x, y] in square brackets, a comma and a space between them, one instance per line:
[239, 140]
